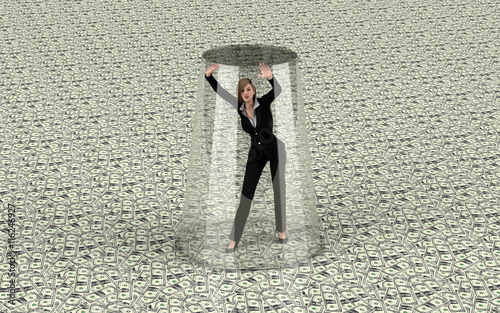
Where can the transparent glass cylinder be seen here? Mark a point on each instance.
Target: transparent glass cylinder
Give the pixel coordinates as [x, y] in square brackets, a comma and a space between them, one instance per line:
[217, 166]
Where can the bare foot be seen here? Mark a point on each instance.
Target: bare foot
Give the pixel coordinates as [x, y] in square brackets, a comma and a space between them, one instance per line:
[231, 244]
[282, 235]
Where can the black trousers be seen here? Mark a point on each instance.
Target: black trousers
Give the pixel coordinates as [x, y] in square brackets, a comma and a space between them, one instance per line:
[252, 176]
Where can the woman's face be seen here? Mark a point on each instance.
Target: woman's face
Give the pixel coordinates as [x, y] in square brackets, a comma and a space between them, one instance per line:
[247, 93]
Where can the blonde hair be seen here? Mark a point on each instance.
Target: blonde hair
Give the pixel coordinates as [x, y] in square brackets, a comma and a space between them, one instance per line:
[241, 85]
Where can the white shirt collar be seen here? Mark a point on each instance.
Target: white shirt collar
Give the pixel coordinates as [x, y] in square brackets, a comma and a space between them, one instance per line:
[255, 105]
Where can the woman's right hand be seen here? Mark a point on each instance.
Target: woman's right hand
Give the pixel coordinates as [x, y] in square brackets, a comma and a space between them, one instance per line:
[211, 69]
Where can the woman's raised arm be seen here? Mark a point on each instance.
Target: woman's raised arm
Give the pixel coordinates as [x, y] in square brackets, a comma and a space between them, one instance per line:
[218, 88]
[276, 91]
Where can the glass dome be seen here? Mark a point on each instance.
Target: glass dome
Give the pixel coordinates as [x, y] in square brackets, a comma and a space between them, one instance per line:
[217, 167]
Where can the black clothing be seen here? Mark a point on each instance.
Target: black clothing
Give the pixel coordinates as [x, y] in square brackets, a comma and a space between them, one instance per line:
[252, 175]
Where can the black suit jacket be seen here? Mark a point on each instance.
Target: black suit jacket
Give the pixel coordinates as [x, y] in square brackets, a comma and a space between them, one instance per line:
[262, 138]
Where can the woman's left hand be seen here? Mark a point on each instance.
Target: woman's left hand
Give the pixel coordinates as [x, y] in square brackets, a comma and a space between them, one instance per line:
[266, 71]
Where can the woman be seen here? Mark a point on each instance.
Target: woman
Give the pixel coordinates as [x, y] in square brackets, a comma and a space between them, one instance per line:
[257, 121]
